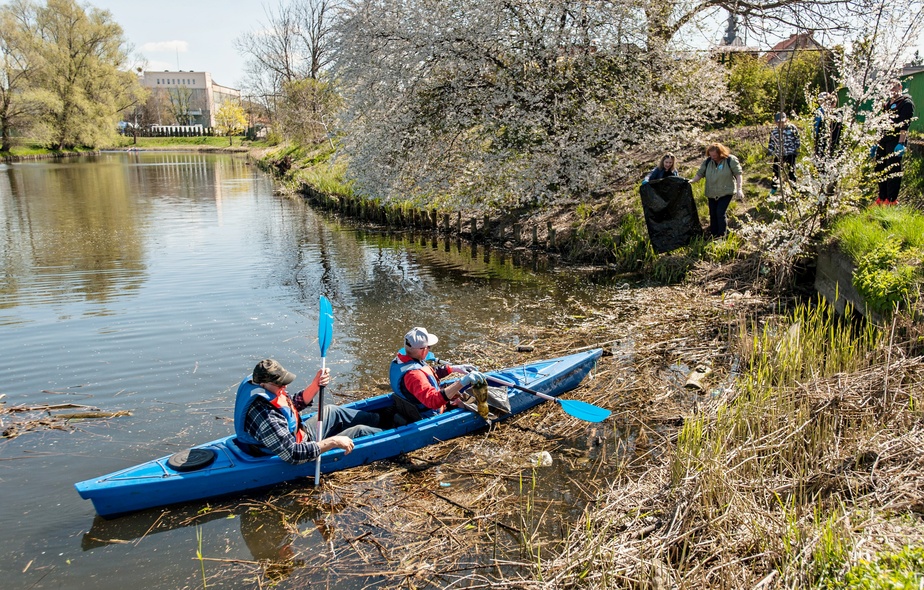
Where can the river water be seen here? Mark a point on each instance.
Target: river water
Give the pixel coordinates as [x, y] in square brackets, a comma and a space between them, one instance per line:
[152, 283]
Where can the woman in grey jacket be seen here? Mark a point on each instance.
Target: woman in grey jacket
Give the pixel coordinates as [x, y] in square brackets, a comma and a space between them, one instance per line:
[722, 172]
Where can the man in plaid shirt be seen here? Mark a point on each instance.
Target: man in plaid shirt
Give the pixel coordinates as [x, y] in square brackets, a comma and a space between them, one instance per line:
[266, 417]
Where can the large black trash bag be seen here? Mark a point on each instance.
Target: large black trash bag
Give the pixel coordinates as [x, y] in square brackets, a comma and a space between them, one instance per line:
[670, 213]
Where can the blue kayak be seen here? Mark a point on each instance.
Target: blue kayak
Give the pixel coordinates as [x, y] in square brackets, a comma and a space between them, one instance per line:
[227, 469]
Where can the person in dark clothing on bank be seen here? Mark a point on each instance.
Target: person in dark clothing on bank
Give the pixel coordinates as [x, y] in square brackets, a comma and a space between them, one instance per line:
[889, 151]
[784, 146]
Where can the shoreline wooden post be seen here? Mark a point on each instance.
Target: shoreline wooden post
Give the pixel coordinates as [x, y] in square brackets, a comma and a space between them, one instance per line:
[446, 223]
[516, 233]
[486, 229]
[550, 244]
[535, 235]
[459, 223]
[474, 228]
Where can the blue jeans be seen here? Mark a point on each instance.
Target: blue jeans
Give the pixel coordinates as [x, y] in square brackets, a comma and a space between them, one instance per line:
[344, 422]
[717, 209]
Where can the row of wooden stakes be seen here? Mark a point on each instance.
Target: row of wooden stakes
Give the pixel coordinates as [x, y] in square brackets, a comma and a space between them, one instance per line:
[402, 216]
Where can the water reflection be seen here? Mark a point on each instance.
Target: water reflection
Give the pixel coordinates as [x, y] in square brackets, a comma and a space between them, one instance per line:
[58, 219]
[273, 530]
[77, 232]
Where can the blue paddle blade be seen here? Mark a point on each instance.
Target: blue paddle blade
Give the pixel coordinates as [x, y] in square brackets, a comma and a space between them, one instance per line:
[325, 325]
[583, 411]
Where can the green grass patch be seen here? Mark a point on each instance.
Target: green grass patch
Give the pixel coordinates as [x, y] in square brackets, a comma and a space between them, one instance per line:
[863, 232]
[311, 166]
[630, 246]
[164, 142]
[672, 267]
[328, 178]
[885, 244]
[33, 149]
[902, 570]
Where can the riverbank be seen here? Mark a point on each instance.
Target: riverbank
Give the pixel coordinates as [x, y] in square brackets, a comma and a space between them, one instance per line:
[24, 151]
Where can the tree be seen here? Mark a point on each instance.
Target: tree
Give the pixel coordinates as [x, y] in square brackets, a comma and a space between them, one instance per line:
[19, 64]
[759, 89]
[293, 45]
[752, 83]
[85, 80]
[308, 110]
[665, 18]
[480, 103]
[182, 101]
[230, 120]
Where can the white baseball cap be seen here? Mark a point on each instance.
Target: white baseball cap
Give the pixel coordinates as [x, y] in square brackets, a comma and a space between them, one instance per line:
[419, 337]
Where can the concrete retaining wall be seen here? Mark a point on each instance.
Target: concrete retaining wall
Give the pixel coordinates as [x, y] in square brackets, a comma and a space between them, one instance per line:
[834, 280]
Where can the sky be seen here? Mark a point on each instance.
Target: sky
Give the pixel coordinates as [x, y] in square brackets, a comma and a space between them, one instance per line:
[199, 34]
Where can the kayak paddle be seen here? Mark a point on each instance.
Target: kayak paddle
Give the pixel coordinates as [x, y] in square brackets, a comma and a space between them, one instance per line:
[572, 407]
[325, 334]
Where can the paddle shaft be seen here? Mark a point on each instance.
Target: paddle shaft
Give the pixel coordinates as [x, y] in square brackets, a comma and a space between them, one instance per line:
[522, 388]
[572, 407]
[317, 463]
[325, 333]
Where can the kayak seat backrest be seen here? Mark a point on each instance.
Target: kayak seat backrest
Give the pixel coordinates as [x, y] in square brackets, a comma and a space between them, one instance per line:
[252, 450]
[406, 409]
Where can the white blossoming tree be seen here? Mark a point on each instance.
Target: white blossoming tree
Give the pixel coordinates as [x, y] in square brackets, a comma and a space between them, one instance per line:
[484, 103]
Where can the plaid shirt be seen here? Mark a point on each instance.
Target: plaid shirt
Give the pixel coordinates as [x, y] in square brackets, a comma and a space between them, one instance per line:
[791, 141]
[267, 424]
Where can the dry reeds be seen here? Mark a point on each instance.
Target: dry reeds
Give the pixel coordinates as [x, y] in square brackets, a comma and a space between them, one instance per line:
[801, 467]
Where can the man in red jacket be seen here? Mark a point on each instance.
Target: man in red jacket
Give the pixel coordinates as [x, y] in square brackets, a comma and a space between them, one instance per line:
[416, 384]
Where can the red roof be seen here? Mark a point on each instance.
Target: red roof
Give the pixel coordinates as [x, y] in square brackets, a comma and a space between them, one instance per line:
[785, 49]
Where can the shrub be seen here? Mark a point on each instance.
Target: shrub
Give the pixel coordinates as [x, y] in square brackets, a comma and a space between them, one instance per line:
[883, 278]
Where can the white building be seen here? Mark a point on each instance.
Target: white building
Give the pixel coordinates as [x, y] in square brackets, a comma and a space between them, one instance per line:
[186, 98]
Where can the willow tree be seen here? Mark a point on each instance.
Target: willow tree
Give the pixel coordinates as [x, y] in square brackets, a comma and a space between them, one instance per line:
[19, 65]
[84, 80]
[485, 103]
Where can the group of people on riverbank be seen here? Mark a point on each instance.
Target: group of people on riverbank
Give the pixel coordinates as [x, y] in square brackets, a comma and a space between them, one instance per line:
[723, 174]
[267, 417]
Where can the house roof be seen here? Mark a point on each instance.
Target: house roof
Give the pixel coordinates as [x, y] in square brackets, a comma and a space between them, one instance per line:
[784, 49]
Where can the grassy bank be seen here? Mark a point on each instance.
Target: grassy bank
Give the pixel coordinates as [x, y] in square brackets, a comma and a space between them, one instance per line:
[885, 244]
[308, 168]
[184, 142]
[24, 149]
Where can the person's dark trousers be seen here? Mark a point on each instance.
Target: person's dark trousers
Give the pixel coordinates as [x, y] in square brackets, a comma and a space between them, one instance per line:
[790, 162]
[717, 209]
[890, 166]
[343, 421]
